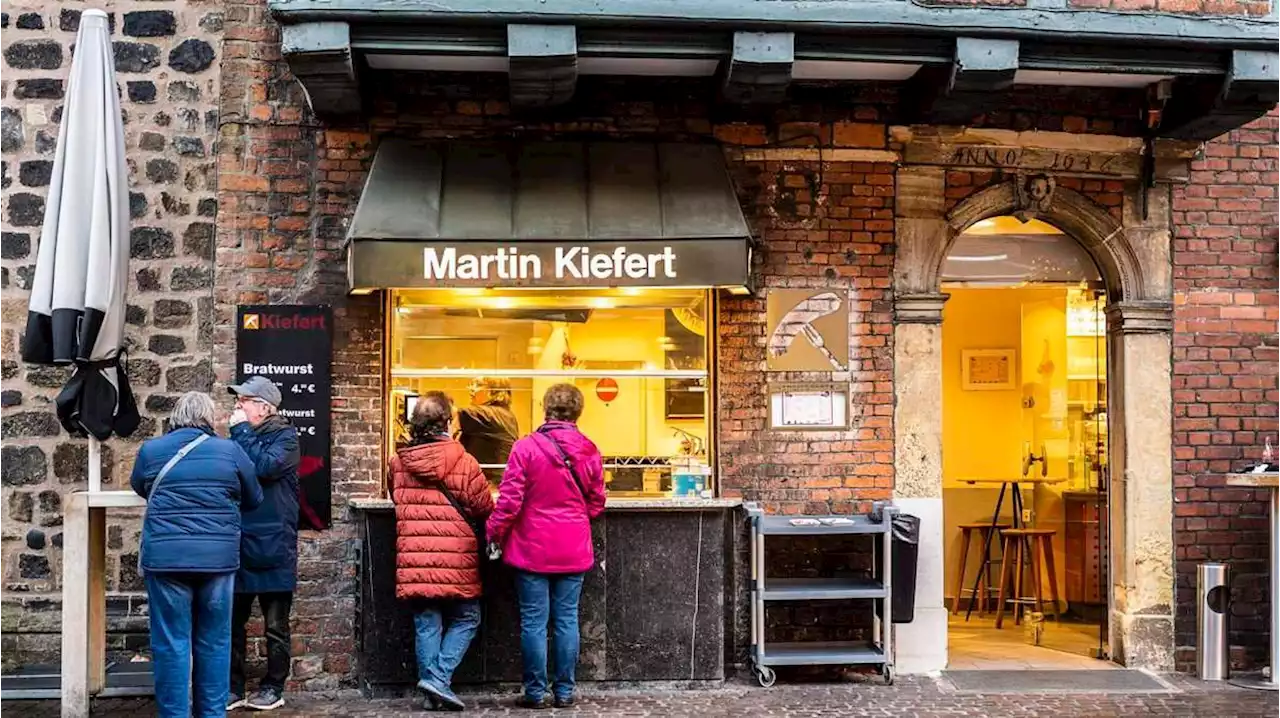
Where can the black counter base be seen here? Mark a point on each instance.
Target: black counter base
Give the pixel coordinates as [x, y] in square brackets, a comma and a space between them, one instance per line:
[654, 606]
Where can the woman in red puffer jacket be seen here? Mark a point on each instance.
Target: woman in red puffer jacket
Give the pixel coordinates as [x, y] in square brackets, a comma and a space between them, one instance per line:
[440, 494]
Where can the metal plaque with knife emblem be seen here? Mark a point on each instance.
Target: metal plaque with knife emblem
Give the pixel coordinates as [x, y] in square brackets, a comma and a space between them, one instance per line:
[808, 330]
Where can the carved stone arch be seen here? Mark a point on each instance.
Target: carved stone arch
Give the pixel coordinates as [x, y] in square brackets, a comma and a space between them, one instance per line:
[1096, 229]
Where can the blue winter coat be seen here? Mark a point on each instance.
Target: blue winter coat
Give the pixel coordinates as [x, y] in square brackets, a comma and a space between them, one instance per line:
[269, 547]
[193, 520]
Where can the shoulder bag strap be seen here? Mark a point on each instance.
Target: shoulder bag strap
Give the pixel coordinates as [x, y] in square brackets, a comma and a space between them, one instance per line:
[568, 462]
[164, 471]
[476, 528]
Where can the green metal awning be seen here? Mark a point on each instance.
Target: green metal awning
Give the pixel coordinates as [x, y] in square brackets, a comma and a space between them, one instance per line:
[548, 214]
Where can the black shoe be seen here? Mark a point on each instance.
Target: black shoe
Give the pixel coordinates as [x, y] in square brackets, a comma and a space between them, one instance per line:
[234, 701]
[566, 702]
[527, 702]
[266, 699]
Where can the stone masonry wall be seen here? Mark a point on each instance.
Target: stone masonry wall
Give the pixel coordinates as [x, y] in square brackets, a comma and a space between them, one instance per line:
[1225, 374]
[166, 64]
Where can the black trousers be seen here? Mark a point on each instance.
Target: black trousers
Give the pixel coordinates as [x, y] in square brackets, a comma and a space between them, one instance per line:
[275, 617]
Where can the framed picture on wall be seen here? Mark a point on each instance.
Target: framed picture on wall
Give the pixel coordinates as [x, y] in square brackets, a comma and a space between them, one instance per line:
[989, 369]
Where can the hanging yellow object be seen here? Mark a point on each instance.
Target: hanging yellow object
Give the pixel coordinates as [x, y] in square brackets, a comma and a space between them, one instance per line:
[693, 318]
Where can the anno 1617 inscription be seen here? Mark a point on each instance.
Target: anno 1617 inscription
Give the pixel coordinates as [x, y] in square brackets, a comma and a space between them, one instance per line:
[1036, 159]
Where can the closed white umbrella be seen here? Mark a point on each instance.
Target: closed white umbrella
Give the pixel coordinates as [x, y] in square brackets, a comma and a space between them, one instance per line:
[77, 309]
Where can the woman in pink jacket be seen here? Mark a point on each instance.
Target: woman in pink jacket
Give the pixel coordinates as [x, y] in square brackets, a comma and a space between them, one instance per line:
[553, 487]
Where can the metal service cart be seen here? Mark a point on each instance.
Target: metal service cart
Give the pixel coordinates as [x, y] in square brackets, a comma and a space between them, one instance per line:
[876, 588]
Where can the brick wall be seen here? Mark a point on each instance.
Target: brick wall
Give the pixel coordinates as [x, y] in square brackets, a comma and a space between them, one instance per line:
[287, 185]
[165, 55]
[826, 225]
[1225, 373]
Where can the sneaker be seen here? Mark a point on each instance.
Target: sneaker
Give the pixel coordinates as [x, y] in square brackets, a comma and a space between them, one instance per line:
[430, 704]
[533, 704]
[234, 701]
[266, 699]
[447, 699]
[566, 702]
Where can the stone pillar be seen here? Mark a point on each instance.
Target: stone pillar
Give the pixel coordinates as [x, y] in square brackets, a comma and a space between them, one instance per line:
[1141, 486]
[921, 233]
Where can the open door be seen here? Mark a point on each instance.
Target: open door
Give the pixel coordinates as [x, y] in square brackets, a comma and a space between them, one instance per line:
[1064, 392]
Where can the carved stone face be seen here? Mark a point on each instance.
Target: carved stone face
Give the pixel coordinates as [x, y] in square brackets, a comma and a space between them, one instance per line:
[1039, 188]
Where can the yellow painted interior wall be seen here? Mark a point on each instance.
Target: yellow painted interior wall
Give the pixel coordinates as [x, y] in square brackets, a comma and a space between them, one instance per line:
[984, 431]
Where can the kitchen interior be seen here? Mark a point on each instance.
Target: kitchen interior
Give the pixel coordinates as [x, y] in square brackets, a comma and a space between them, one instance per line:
[1025, 414]
[640, 357]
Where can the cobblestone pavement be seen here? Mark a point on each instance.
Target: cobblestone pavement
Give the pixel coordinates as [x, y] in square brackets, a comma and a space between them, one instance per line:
[910, 697]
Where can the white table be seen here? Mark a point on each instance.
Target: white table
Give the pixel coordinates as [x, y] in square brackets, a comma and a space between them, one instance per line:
[84, 595]
[1266, 481]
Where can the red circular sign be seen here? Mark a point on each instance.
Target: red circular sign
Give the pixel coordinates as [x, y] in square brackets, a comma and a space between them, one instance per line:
[607, 390]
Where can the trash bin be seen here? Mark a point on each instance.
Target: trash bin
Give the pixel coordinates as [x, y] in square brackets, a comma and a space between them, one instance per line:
[1212, 601]
[906, 558]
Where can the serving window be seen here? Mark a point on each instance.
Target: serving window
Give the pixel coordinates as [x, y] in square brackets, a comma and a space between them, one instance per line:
[640, 357]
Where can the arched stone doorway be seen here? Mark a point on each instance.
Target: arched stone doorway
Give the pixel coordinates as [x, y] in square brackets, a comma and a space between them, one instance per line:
[1132, 252]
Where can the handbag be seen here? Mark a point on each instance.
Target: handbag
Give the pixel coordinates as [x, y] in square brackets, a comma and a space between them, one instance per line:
[568, 462]
[164, 471]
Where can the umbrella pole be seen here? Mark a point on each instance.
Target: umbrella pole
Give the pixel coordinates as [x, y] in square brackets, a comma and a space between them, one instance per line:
[95, 465]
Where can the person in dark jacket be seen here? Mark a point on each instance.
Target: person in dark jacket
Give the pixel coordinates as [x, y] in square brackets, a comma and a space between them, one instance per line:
[196, 485]
[269, 549]
[441, 500]
[488, 428]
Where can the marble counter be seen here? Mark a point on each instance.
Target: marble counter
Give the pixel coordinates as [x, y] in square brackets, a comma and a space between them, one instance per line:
[657, 503]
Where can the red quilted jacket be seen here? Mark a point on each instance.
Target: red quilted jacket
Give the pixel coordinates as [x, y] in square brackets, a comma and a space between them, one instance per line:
[436, 553]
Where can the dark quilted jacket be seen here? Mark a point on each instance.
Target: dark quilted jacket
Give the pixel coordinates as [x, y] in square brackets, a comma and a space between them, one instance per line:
[193, 520]
[269, 550]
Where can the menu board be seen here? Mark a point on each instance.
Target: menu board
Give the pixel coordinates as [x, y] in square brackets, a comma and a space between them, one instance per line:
[292, 345]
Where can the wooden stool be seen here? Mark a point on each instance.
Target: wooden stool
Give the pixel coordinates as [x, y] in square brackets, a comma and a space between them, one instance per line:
[1019, 548]
[967, 531]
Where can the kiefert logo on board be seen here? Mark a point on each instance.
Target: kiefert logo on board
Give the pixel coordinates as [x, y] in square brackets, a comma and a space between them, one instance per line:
[275, 321]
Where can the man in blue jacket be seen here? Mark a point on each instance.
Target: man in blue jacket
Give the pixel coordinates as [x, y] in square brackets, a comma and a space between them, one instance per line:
[269, 547]
[196, 486]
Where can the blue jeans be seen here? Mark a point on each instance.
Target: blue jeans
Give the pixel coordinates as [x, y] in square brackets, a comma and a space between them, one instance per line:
[443, 631]
[553, 596]
[191, 642]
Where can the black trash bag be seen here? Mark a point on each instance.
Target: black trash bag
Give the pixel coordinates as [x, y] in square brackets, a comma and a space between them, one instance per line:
[906, 561]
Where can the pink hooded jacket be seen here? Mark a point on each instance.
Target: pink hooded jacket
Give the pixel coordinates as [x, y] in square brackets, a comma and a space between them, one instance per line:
[542, 521]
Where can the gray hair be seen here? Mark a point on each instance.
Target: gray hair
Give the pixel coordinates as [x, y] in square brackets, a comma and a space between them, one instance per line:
[562, 402]
[193, 409]
[431, 415]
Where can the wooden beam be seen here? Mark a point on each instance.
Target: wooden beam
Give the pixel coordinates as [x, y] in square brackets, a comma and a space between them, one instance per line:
[954, 95]
[1201, 109]
[319, 55]
[542, 64]
[759, 69]
[851, 16]
[78, 675]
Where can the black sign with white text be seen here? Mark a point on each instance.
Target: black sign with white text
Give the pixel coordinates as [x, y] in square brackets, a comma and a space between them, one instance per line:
[717, 262]
[292, 346]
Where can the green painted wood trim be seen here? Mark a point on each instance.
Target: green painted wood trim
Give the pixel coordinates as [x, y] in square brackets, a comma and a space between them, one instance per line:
[831, 15]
